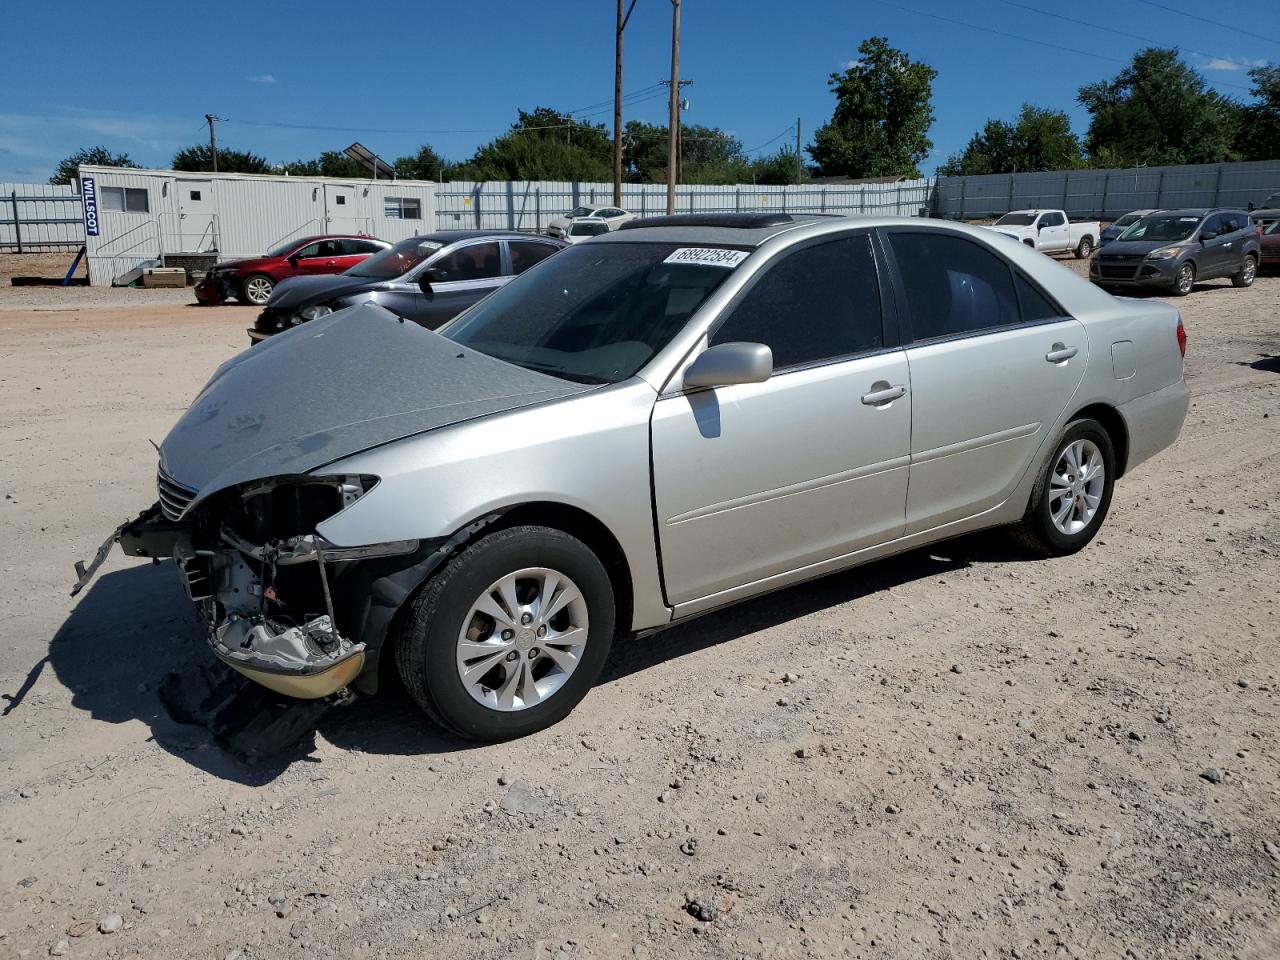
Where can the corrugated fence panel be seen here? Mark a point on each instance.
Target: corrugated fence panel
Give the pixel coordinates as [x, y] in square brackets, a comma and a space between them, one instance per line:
[47, 217]
[531, 205]
[1107, 194]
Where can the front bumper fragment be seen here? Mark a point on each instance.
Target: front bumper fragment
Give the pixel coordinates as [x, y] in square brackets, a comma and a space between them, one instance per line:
[308, 661]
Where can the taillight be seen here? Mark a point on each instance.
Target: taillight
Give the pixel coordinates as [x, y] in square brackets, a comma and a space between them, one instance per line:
[1182, 339]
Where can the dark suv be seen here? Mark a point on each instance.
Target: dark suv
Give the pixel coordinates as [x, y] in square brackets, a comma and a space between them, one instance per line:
[1176, 248]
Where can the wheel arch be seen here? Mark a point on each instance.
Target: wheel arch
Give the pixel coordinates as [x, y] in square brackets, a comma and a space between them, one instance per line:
[1113, 422]
[593, 532]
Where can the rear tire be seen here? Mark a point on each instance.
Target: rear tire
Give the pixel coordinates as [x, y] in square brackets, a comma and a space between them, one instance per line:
[522, 687]
[1069, 503]
[1248, 272]
[1084, 248]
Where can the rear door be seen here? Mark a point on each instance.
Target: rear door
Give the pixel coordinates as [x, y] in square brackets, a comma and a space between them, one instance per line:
[756, 481]
[994, 363]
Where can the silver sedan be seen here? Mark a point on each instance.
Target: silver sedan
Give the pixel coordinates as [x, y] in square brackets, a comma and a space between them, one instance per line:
[655, 423]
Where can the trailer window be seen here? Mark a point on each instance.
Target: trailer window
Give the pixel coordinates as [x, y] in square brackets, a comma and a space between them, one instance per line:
[125, 199]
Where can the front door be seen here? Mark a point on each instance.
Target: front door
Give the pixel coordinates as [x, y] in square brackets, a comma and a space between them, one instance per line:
[197, 232]
[758, 480]
[1055, 233]
[1218, 254]
[993, 365]
[470, 270]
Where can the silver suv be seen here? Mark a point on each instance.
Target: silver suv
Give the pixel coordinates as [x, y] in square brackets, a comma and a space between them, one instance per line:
[652, 424]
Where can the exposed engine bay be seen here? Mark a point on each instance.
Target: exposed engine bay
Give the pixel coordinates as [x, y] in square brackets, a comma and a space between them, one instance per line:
[282, 605]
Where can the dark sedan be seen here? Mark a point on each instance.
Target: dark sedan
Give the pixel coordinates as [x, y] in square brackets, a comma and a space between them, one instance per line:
[428, 279]
[1176, 248]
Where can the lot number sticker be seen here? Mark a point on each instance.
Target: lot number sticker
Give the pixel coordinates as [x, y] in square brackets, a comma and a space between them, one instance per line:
[709, 256]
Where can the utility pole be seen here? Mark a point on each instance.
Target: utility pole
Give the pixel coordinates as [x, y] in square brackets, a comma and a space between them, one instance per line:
[213, 142]
[797, 151]
[674, 120]
[617, 103]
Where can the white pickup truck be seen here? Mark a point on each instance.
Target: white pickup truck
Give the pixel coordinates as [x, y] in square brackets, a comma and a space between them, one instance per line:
[1049, 231]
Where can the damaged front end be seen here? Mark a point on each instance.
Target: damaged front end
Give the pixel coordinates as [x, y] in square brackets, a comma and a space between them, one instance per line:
[283, 606]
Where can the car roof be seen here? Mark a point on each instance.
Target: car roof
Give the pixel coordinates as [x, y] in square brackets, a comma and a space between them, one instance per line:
[453, 236]
[732, 229]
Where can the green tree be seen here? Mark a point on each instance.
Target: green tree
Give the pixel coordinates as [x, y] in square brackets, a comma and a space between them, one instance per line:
[66, 171]
[778, 168]
[426, 164]
[1259, 137]
[1158, 110]
[330, 163]
[884, 108]
[1039, 139]
[544, 145]
[200, 159]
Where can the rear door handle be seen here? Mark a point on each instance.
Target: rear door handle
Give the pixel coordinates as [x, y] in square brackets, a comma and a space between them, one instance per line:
[882, 393]
[1060, 353]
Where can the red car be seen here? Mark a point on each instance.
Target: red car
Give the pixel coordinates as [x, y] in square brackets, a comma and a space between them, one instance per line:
[1267, 223]
[252, 280]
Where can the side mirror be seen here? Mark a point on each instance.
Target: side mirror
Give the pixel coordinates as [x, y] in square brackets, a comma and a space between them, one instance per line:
[293, 261]
[429, 276]
[1040, 226]
[1208, 235]
[728, 363]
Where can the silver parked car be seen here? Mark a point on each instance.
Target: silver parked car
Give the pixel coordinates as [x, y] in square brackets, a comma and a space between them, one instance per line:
[675, 416]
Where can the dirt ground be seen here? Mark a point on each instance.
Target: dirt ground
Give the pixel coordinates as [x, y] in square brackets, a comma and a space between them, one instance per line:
[957, 753]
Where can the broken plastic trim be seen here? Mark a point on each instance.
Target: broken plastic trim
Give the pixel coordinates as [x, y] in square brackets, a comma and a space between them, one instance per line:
[309, 547]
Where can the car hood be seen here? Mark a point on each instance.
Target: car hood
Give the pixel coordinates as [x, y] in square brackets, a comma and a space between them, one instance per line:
[1131, 247]
[334, 387]
[293, 293]
[245, 264]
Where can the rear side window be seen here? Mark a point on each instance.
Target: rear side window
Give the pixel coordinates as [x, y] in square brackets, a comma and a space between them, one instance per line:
[814, 304]
[476, 261]
[525, 253]
[1035, 305]
[954, 285]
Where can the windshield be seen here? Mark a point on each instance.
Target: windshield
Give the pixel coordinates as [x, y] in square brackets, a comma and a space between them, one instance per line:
[1270, 228]
[595, 313]
[284, 248]
[1016, 220]
[577, 212]
[395, 261]
[1271, 202]
[588, 228]
[1127, 219]
[1162, 229]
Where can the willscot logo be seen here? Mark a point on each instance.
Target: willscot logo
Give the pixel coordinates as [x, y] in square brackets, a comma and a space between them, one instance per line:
[89, 195]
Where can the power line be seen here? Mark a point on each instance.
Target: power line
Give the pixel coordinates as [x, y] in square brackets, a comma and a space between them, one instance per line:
[1214, 23]
[1098, 26]
[1022, 39]
[785, 130]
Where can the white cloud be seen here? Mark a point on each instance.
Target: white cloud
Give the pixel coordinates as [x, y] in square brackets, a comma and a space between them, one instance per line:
[262, 78]
[1224, 63]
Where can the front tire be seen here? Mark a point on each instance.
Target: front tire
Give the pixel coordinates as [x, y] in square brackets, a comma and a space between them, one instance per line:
[510, 636]
[1084, 248]
[1073, 493]
[1248, 272]
[1184, 280]
[256, 289]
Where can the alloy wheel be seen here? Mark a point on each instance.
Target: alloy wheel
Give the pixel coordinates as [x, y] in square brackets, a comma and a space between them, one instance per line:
[1248, 271]
[522, 639]
[1186, 278]
[258, 289]
[1076, 486]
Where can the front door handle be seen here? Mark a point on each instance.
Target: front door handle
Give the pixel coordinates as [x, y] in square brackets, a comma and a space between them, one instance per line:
[883, 393]
[1060, 353]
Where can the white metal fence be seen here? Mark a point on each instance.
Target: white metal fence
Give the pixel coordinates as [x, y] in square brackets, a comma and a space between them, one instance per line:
[1108, 194]
[531, 205]
[40, 216]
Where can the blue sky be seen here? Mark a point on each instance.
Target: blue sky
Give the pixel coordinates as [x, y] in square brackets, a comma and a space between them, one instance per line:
[139, 76]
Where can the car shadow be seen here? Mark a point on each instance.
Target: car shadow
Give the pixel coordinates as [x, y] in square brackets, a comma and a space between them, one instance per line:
[133, 649]
[1267, 363]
